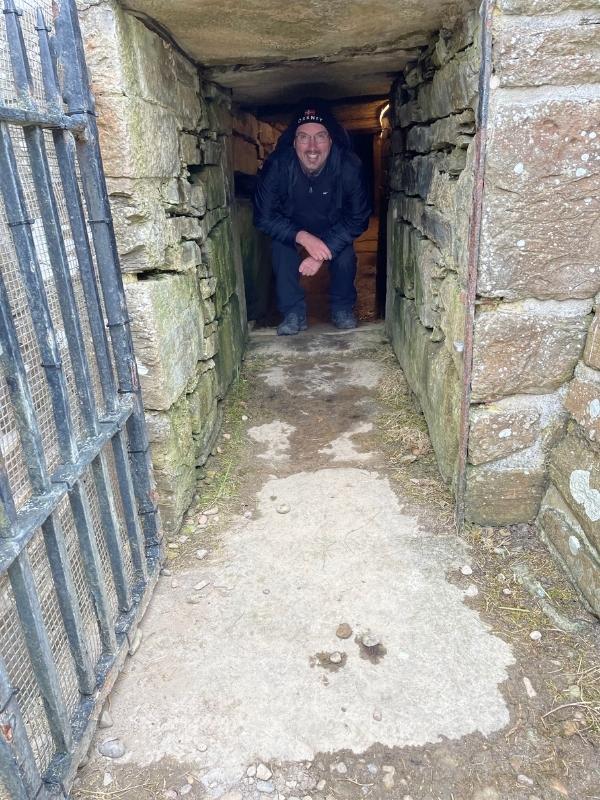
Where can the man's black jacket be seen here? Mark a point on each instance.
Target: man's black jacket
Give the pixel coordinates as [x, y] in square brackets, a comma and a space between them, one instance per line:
[273, 205]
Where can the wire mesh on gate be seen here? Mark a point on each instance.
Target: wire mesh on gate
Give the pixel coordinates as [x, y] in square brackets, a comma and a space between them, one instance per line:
[78, 528]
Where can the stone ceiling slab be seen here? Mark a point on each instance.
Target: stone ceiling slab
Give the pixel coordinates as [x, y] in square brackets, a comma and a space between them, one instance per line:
[331, 47]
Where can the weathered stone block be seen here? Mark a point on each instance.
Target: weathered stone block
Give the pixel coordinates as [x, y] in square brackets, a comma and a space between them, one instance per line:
[166, 325]
[449, 132]
[428, 272]
[583, 400]
[499, 429]
[183, 257]
[202, 406]
[561, 531]
[245, 156]
[172, 447]
[189, 149]
[139, 222]
[426, 219]
[212, 179]
[124, 125]
[505, 492]
[219, 115]
[591, 354]
[211, 151]
[544, 51]
[181, 227]
[432, 376]
[256, 260]
[575, 471]
[218, 254]
[245, 125]
[541, 174]
[231, 345]
[453, 89]
[267, 134]
[527, 348]
[451, 298]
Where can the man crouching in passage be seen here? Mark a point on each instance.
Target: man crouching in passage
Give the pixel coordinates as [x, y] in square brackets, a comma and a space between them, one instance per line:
[311, 199]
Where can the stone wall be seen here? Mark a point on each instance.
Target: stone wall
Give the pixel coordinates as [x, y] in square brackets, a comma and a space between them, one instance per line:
[535, 392]
[166, 140]
[540, 271]
[433, 121]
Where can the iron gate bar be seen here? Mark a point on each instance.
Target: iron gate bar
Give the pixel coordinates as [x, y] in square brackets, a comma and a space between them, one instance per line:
[79, 100]
[15, 748]
[22, 401]
[34, 139]
[32, 515]
[44, 119]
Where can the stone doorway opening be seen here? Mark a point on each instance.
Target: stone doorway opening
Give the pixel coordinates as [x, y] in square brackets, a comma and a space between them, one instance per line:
[367, 123]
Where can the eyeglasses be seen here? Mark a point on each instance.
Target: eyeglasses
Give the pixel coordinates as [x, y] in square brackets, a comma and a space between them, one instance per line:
[319, 138]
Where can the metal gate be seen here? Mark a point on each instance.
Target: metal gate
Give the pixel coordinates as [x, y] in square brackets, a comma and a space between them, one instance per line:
[79, 538]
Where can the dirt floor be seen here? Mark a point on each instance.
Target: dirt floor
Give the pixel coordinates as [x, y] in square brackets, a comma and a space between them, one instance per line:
[322, 631]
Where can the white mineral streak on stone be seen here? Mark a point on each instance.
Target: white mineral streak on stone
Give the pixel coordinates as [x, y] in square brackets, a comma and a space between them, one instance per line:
[594, 408]
[584, 494]
[276, 435]
[574, 545]
[344, 449]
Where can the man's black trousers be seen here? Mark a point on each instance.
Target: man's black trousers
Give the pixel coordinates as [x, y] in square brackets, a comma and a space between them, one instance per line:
[290, 295]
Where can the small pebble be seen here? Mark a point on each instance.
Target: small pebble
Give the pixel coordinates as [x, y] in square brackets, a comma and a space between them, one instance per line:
[524, 780]
[173, 546]
[321, 785]
[166, 572]
[107, 779]
[506, 592]
[498, 550]
[570, 727]
[283, 508]
[227, 436]
[219, 450]
[183, 539]
[200, 554]
[263, 773]
[266, 787]
[535, 636]
[244, 418]
[344, 631]
[186, 789]
[248, 514]
[471, 590]
[112, 748]
[370, 639]
[573, 691]
[201, 585]
[202, 748]
[531, 692]
[335, 658]
[466, 570]
[377, 715]
[174, 583]
[341, 768]
[170, 794]
[211, 511]
[251, 771]
[202, 520]
[501, 577]
[194, 599]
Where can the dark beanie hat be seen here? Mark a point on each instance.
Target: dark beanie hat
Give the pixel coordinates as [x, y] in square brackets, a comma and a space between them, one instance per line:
[313, 114]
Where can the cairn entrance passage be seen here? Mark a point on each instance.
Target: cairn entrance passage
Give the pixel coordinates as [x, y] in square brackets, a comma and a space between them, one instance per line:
[302, 496]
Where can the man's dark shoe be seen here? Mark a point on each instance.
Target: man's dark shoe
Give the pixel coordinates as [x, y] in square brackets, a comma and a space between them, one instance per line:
[292, 324]
[344, 320]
